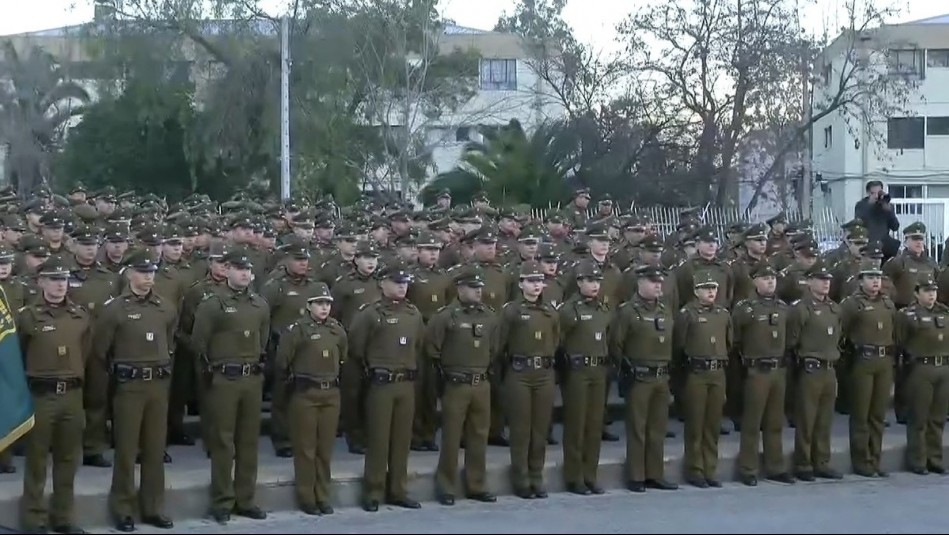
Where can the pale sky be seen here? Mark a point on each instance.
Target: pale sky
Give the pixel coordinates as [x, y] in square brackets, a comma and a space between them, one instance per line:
[592, 20]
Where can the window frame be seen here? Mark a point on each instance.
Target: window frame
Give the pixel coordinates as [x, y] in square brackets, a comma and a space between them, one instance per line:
[902, 125]
[498, 74]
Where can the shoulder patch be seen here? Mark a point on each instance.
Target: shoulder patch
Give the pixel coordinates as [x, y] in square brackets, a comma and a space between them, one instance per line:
[107, 301]
[207, 296]
[796, 301]
[21, 309]
[364, 305]
[341, 277]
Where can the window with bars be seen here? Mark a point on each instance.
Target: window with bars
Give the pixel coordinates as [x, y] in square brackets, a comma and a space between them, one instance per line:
[937, 58]
[906, 191]
[499, 74]
[908, 61]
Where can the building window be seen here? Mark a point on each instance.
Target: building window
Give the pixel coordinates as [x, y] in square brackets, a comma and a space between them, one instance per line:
[828, 137]
[937, 58]
[905, 61]
[906, 133]
[906, 191]
[499, 74]
[463, 133]
[937, 126]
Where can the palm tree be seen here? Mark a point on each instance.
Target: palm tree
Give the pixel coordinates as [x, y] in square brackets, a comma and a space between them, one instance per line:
[512, 167]
[37, 99]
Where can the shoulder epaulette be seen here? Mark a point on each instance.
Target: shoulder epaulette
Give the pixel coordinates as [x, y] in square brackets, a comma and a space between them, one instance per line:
[364, 305]
[21, 309]
[796, 301]
[109, 300]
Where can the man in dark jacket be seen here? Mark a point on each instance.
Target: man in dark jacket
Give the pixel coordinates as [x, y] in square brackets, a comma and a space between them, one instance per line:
[877, 214]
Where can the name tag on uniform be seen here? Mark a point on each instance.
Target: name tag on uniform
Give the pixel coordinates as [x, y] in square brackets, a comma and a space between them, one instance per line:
[326, 353]
[358, 291]
[315, 336]
[477, 343]
[525, 316]
[464, 325]
[61, 351]
[135, 316]
[403, 341]
[830, 331]
[246, 334]
[434, 298]
[150, 337]
[868, 307]
[538, 335]
[703, 320]
[230, 310]
[925, 318]
[597, 336]
[293, 292]
[586, 316]
[48, 328]
[817, 312]
[913, 270]
[75, 284]
[392, 321]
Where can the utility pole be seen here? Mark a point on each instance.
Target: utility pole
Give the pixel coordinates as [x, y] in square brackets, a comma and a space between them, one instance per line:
[285, 108]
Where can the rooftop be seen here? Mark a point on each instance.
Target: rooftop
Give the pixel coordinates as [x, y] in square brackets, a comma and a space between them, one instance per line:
[938, 19]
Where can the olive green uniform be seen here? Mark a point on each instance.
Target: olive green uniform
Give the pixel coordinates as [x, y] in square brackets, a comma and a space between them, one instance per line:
[584, 344]
[923, 338]
[529, 335]
[641, 336]
[386, 340]
[741, 267]
[703, 337]
[760, 326]
[287, 296]
[868, 325]
[230, 335]
[462, 340]
[55, 341]
[813, 335]
[428, 292]
[90, 287]
[308, 360]
[134, 341]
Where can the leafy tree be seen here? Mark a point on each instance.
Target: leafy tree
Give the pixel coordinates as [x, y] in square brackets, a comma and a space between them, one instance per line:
[36, 104]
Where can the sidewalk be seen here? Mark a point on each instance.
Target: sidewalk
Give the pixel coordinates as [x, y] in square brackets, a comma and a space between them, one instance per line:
[188, 476]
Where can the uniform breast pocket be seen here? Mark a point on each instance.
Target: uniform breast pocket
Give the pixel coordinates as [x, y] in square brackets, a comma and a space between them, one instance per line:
[320, 347]
[939, 321]
[659, 322]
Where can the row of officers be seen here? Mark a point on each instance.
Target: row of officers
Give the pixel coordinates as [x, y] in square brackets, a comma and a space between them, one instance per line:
[469, 347]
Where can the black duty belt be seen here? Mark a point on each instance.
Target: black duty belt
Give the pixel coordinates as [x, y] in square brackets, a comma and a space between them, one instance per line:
[933, 361]
[874, 352]
[520, 363]
[463, 378]
[306, 382]
[699, 364]
[384, 376]
[581, 361]
[235, 369]
[765, 364]
[44, 385]
[649, 372]
[127, 372]
[810, 364]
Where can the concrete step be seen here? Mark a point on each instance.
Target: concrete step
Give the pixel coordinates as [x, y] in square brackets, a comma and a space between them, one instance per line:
[187, 477]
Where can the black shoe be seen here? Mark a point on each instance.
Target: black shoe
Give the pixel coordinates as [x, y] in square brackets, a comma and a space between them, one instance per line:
[97, 460]
[919, 470]
[253, 512]
[125, 524]
[370, 506]
[609, 437]
[670, 434]
[357, 449]
[7, 469]
[446, 499]
[594, 488]
[749, 480]
[325, 508]
[221, 516]
[159, 521]
[714, 483]
[724, 430]
[167, 458]
[578, 488]
[805, 476]
[417, 446]
[698, 482]
[636, 486]
[483, 497]
[540, 493]
[68, 528]
[405, 503]
[737, 426]
[826, 473]
[886, 423]
[783, 477]
[311, 510]
[936, 468]
[180, 439]
[284, 453]
[526, 494]
[881, 473]
[660, 484]
[430, 446]
[551, 441]
[500, 441]
[865, 473]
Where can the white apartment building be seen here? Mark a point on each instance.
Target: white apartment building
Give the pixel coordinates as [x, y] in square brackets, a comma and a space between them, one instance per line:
[913, 157]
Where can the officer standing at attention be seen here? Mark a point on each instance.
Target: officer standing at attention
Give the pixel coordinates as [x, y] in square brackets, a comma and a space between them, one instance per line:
[386, 341]
[703, 333]
[55, 339]
[530, 333]
[134, 341]
[584, 346]
[230, 336]
[760, 325]
[462, 341]
[308, 361]
[641, 338]
[868, 320]
[922, 335]
[813, 336]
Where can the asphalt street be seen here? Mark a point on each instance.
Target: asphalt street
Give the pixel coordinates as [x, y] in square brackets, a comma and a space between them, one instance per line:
[903, 503]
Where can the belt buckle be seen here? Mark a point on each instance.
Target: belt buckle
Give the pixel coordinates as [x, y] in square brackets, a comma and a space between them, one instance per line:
[146, 374]
[937, 361]
[713, 365]
[475, 379]
[60, 387]
[398, 377]
[245, 370]
[881, 351]
[593, 362]
[537, 362]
